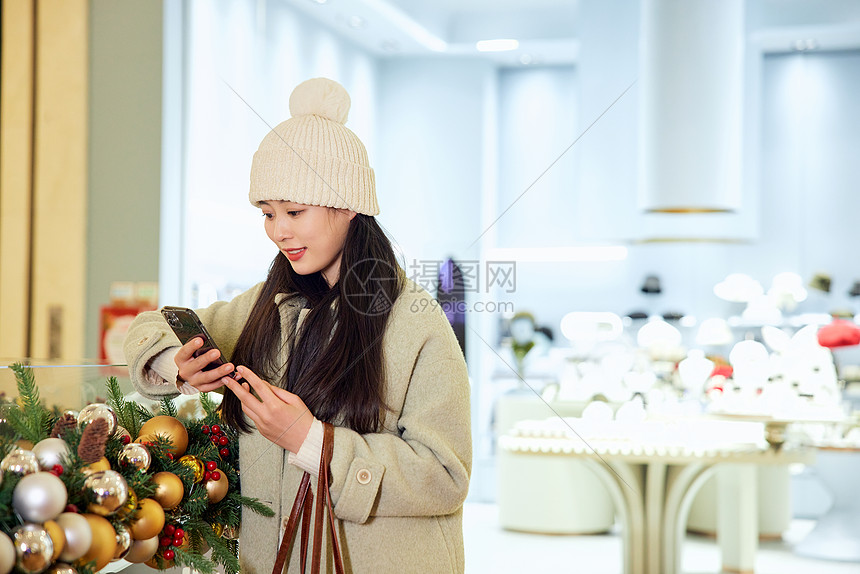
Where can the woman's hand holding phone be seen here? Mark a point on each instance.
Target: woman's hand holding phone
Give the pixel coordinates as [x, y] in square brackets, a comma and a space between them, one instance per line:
[191, 368]
[279, 415]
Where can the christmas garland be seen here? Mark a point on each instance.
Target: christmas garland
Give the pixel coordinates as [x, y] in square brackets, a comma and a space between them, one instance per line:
[114, 481]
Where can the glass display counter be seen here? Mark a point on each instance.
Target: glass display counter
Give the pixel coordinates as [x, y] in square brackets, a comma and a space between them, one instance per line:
[66, 384]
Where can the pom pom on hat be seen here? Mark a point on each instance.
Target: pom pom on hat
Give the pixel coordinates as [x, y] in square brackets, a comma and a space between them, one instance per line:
[320, 97]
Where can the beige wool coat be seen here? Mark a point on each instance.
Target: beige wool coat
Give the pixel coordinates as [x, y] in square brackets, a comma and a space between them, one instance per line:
[398, 493]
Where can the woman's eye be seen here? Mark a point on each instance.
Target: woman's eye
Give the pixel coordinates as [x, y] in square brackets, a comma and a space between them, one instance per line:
[268, 215]
[293, 213]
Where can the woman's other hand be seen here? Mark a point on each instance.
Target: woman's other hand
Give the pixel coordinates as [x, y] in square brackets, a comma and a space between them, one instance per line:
[191, 367]
[279, 415]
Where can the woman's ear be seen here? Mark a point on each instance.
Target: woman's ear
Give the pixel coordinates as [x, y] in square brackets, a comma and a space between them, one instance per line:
[351, 213]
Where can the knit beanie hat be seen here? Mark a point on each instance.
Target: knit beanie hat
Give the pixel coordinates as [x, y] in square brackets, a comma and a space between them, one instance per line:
[313, 158]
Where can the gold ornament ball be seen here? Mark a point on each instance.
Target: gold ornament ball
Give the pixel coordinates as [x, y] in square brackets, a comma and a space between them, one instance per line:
[123, 543]
[195, 464]
[170, 490]
[130, 504]
[61, 569]
[103, 546]
[168, 427]
[218, 529]
[100, 464]
[217, 489]
[142, 550]
[58, 537]
[150, 520]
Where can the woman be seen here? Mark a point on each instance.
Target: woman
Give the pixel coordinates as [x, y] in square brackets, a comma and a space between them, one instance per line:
[335, 333]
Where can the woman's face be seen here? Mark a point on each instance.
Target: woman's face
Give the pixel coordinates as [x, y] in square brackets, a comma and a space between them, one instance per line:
[310, 236]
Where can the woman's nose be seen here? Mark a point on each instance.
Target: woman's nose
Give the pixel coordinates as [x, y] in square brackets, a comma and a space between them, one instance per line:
[283, 229]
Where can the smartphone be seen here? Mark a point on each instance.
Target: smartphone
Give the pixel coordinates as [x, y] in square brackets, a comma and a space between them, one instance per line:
[187, 325]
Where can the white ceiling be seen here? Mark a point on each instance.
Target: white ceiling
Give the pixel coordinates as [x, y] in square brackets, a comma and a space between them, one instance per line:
[548, 29]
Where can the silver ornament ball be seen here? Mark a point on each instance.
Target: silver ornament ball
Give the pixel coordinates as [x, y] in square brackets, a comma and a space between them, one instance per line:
[137, 455]
[98, 411]
[61, 569]
[106, 492]
[79, 535]
[7, 554]
[21, 462]
[39, 497]
[33, 548]
[51, 451]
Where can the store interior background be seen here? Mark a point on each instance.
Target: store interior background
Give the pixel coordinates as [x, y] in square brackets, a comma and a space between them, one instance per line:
[168, 101]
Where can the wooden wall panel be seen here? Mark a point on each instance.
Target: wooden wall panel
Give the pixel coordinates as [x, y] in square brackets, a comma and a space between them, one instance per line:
[60, 181]
[16, 138]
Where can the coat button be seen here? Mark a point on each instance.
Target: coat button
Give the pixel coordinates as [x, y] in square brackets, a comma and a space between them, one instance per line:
[362, 476]
[142, 341]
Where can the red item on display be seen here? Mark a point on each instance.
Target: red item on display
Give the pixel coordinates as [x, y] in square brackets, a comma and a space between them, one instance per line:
[839, 333]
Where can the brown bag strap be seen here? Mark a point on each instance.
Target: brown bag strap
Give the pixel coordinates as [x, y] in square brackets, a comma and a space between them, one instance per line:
[302, 510]
[299, 506]
[323, 501]
[306, 527]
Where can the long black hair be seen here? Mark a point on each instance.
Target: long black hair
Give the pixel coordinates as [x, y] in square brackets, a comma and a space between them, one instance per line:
[336, 359]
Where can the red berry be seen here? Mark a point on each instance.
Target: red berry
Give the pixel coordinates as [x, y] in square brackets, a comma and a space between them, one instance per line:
[165, 541]
[57, 469]
[169, 529]
[169, 554]
[223, 441]
[216, 429]
[205, 429]
[178, 541]
[207, 475]
[125, 439]
[179, 533]
[224, 452]
[215, 475]
[170, 455]
[71, 508]
[215, 440]
[211, 465]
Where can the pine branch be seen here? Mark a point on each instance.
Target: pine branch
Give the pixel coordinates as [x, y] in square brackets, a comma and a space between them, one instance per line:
[29, 420]
[252, 504]
[209, 406]
[224, 552]
[168, 407]
[193, 560]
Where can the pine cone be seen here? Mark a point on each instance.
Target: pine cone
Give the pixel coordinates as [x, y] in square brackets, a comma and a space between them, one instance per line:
[93, 439]
[64, 424]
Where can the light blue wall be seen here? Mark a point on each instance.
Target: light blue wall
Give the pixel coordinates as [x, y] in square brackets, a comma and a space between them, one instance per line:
[807, 207]
[431, 142]
[244, 59]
